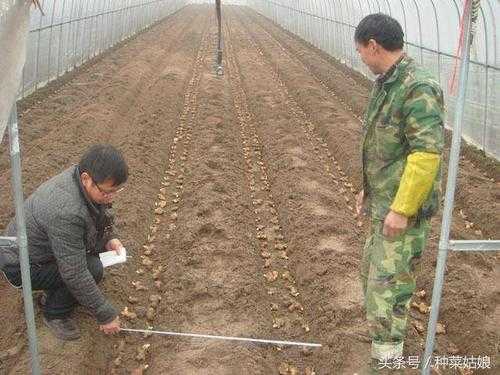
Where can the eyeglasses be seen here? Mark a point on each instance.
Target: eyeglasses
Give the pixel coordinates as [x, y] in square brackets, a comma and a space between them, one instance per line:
[107, 193]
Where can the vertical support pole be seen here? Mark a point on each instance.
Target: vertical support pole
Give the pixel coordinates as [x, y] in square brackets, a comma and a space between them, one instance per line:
[38, 49]
[93, 30]
[130, 20]
[219, 69]
[50, 42]
[438, 38]
[450, 192]
[486, 78]
[68, 49]
[419, 32]
[76, 39]
[59, 49]
[22, 239]
[85, 23]
[112, 23]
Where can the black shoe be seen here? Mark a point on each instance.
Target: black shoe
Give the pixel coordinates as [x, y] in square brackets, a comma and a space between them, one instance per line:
[42, 300]
[64, 329]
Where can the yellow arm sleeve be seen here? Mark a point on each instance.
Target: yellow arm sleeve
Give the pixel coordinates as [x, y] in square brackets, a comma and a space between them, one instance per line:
[416, 183]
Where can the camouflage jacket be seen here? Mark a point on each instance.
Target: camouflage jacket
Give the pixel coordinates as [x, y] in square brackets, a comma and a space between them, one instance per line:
[405, 114]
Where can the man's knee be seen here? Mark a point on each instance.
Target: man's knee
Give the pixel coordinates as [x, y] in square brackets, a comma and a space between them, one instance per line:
[94, 265]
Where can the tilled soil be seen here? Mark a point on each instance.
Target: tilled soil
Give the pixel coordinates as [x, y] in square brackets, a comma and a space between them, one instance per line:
[239, 209]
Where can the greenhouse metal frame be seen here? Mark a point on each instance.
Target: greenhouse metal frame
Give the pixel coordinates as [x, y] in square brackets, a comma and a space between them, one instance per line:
[74, 33]
[329, 25]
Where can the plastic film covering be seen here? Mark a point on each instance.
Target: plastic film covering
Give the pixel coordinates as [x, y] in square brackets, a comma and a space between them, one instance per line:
[73, 31]
[431, 29]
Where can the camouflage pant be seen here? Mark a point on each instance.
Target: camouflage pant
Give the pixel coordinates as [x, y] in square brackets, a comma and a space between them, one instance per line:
[387, 273]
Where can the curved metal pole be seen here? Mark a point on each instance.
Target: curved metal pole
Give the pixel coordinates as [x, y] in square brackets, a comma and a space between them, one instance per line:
[310, 10]
[109, 31]
[112, 23]
[350, 39]
[123, 17]
[326, 30]
[363, 66]
[370, 11]
[342, 37]
[457, 8]
[85, 21]
[360, 8]
[68, 49]
[334, 42]
[93, 30]
[38, 48]
[76, 35]
[438, 40]
[361, 13]
[131, 19]
[486, 77]
[309, 25]
[419, 32]
[322, 28]
[275, 15]
[378, 4]
[323, 32]
[50, 41]
[494, 35]
[104, 26]
[297, 24]
[60, 39]
[323, 22]
[338, 31]
[389, 7]
[405, 24]
[331, 25]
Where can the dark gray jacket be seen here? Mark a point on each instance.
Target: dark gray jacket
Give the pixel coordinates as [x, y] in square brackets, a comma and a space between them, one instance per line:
[63, 225]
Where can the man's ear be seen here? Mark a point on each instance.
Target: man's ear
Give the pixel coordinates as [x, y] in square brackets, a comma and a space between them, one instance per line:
[373, 45]
[85, 177]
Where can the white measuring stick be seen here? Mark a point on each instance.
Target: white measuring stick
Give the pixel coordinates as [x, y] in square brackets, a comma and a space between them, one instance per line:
[277, 342]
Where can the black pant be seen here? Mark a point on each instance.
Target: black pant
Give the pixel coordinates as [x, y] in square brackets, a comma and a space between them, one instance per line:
[60, 302]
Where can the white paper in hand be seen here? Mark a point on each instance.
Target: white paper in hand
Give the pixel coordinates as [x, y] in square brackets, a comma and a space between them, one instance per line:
[110, 258]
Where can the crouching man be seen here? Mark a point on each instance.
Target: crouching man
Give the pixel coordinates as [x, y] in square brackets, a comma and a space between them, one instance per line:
[68, 224]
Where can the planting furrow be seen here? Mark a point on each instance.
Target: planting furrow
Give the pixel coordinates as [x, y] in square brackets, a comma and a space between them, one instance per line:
[318, 143]
[286, 306]
[147, 288]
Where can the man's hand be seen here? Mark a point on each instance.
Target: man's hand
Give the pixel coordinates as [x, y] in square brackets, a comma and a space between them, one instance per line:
[114, 244]
[360, 202]
[112, 327]
[394, 224]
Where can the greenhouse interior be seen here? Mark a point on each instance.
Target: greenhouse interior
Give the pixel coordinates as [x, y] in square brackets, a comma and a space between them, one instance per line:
[250, 187]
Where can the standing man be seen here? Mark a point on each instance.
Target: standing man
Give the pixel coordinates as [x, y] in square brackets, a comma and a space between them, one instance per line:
[402, 147]
[68, 224]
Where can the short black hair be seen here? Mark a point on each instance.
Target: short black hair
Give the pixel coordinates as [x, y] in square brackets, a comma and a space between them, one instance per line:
[382, 28]
[104, 162]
